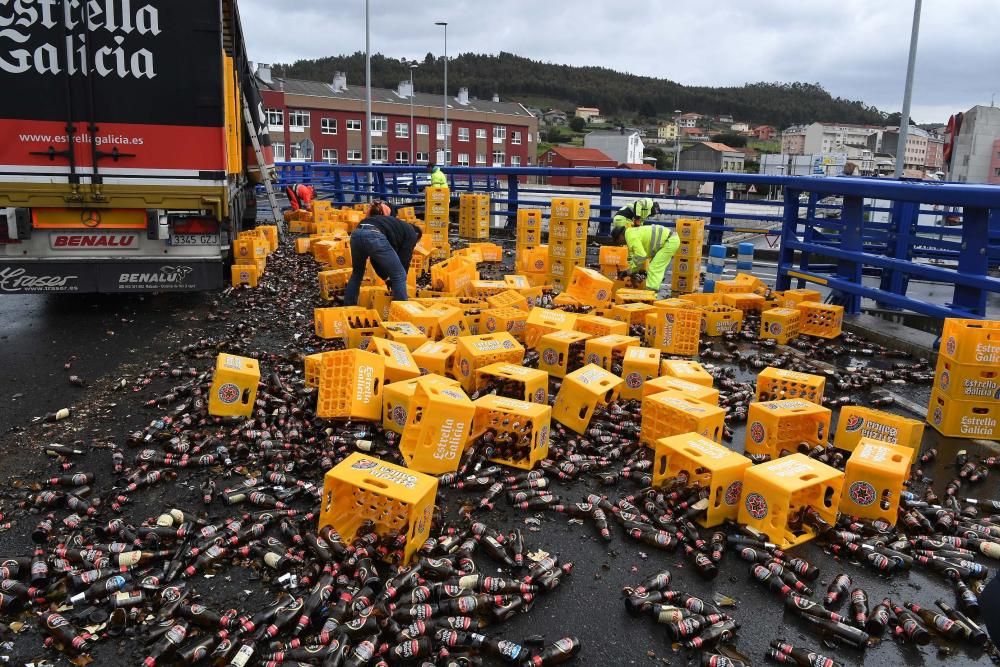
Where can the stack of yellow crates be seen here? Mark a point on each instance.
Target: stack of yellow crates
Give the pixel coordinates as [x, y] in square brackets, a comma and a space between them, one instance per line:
[474, 216]
[568, 226]
[532, 256]
[436, 217]
[686, 270]
[965, 401]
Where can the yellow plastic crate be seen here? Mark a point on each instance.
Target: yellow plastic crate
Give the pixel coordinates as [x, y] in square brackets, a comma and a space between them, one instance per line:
[674, 330]
[303, 245]
[436, 356]
[628, 295]
[964, 419]
[776, 384]
[691, 371]
[313, 363]
[542, 321]
[437, 428]
[454, 275]
[595, 325]
[971, 341]
[681, 283]
[720, 320]
[404, 333]
[362, 325]
[745, 301]
[448, 320]
[487, 288]
[570, 208]
[775, 493]
[616, 256]
[330, 322]
[244, 274]
[439, 193]
[534, 260]
[520, 429]
[399, 363]
[510, 320]
[967, 382]
[333, 282]
[608, 351]
[690, 229]
[508, 298]
[362, 488]
[792, 297]
[530, 218]
[528, 237]
[781, 324]
[350, 385]
[514, 381]
[398, 396]
[234, 386]
[490, 252]
[689, 267]
[580, 394]
[248, 250]
[632, 313]
[590, 287]
[517, 282]
[856, 422]
[561, 352]
[690, 250]
[698, 392]
[270, 233]
[820, 319]
[566, 249]
[672, 413]
[560, 270]
[698, 300]
[874, 478]
[707, 464]
[639, 366]
[474, 352]
[773, 426]
[299, 227]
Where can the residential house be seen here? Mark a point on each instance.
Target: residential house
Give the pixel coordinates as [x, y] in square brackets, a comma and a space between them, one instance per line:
[693, 134]
[975, 157]
[765, 132]
[689, 120]
[708, 156]
[554, 117]
[724, 118]
[740, 127]
[589, 114]
[827, 137]
[574, 158]
[666, 132]
[935, 153]
[648, 186]
[914, 153]
[620, 145]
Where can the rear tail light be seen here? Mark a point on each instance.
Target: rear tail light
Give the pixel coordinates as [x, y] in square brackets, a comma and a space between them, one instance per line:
[15, 224]
[195, 225]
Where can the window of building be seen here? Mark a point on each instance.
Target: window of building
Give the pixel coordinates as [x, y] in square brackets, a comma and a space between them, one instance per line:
[402, 130]
[300, 154]
[463, 134]
[380, 124]
[330, 155]
[380, 153]
[996, 172]
[275, 119]
[481, 133]
[529, 137]
[421, 157]
[499, 133]
[463, 159]
[480, 158]
[515, 138]
[402, 157]
[515, 160]
[354, 124]
[441, 129]
[499, 157]
[298, 120]
[279, 151]
[422, 128]
[328, 125]
[353, 156]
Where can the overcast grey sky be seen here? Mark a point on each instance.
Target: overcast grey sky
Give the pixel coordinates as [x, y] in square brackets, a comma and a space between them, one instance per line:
[855, 48]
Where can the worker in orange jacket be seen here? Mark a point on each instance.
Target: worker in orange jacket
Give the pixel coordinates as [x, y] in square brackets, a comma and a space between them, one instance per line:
[300, 196]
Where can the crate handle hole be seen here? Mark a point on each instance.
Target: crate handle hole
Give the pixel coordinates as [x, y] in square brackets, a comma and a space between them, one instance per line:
[981, 411]
[663, 464]
[808, 476]
[718, 496]
[246, 396]
[828, 496]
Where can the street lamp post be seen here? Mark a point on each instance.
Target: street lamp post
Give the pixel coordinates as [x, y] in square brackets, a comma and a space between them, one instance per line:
[904, 118]
[413, 66]
[368, 86]
[444, 24]
[677, 145]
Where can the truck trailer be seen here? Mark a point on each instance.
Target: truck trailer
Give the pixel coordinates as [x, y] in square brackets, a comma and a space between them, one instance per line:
[126, 161]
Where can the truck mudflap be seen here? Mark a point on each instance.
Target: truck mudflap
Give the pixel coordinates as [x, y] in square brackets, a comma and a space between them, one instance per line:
[109, 276]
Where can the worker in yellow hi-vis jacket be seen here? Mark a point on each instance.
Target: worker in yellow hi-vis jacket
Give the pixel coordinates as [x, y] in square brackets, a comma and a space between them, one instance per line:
[653, 242]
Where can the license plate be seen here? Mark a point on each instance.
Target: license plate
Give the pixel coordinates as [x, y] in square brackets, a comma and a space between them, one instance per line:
[194, 239]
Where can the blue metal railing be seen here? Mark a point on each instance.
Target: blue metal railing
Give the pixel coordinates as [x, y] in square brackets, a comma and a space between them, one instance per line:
[833, 231]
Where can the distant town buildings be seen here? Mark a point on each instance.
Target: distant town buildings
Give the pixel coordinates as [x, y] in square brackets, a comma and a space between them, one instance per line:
[666, 131]
[708, 156]
[554, 117]
[622, 146]
[740, 127]
[689, 120]
[824, 137]
[765, 132]
[975, 156]
[574, 158]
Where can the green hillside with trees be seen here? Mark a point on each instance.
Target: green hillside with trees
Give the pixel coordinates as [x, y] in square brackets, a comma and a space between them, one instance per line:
[617, 94]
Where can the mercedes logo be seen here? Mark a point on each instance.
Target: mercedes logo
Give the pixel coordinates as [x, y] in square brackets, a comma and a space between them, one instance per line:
[90, 218]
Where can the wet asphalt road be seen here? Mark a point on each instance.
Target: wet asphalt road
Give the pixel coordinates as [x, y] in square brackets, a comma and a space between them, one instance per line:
[38, 334]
